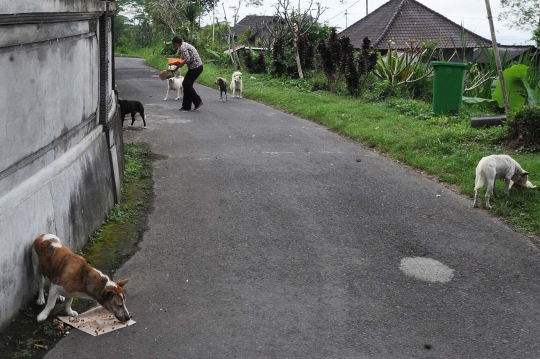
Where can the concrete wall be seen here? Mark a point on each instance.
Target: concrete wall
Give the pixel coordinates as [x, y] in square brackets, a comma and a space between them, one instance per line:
[60, 135]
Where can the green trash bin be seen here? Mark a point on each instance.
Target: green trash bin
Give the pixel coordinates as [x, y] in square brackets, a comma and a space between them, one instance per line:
[448, 86]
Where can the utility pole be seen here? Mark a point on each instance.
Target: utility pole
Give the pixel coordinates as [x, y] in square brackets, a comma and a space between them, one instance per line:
[345, 18]
[497, 58]
[213, 20]
[366, 7]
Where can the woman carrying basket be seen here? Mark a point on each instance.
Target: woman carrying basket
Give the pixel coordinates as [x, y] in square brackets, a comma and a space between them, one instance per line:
[191, 58]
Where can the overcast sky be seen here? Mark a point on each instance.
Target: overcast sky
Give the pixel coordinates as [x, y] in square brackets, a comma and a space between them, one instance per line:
[471, 13]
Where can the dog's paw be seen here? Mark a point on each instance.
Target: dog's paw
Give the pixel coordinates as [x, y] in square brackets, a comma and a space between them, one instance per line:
[178, 98]
[40, 301]
[60, 299]
[165, 99]
[144, 127]
[71, 312]
[41, 317]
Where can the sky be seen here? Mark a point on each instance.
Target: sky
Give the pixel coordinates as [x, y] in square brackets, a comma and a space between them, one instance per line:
[471, 13]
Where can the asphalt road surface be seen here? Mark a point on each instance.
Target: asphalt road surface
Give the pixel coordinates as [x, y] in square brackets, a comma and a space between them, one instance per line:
[273, 237]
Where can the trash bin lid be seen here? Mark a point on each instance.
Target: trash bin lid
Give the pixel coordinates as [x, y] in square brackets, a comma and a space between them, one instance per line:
[446, 63]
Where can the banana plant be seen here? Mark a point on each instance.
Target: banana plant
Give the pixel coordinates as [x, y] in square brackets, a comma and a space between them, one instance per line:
[518, 88]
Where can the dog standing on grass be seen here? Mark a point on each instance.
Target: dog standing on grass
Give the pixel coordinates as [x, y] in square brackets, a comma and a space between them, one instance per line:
[132, 107]
[497, 166]
[71, 276]
[236, 84]
[175, 84]
[223, 85]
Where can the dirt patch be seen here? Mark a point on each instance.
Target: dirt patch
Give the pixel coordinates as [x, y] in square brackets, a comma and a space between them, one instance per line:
[110, 246]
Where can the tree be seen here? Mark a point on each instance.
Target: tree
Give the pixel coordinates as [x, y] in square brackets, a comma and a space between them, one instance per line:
[206, 5]
[167, 13]
[331, 58]
[191, 13]
[521, 14]
[298, 23]
[231, 32]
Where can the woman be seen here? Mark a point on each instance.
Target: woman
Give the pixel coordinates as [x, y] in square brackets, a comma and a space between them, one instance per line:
[195, 67]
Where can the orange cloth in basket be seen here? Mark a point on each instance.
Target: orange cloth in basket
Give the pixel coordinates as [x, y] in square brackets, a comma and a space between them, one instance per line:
[175, 61]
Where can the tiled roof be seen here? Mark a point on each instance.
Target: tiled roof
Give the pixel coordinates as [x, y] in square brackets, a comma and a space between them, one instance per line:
[251, 21]
[402, 20]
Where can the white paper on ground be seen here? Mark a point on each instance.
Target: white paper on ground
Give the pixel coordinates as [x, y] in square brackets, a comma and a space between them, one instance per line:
[96, 321]
[527, 185]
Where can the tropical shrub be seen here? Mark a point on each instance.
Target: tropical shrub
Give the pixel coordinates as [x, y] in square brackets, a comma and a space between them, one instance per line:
[524, 128]
[260, 64]
[279, 59]
[247, 57]
[518, 88]
[306, 51]
[331, 59]
[405, 67]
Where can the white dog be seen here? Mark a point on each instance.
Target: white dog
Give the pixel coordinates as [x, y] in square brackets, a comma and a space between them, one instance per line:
[236, 84]
[497, 166]
[175, 84]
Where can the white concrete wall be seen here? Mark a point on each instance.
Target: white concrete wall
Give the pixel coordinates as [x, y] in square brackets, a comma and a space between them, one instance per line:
[56, 164]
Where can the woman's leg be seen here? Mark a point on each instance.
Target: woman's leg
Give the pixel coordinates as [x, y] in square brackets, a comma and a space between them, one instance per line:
[190, 95]
[187, 84]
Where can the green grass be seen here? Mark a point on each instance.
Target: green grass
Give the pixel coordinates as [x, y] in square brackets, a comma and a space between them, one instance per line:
[122, 226]
[445, 147]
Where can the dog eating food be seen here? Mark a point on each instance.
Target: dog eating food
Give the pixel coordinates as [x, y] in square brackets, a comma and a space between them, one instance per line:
[222, 82]
[236, 84]
[497, 166]
[71, 276]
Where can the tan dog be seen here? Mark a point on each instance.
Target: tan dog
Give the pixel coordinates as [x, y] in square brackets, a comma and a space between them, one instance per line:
[237, 84]
[71, 276]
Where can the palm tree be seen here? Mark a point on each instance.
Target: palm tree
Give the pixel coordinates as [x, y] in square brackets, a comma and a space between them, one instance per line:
[191, 12]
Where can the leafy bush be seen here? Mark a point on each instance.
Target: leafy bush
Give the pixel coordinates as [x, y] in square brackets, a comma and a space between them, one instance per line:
[331, 56]
[169, 48]
[306, 51]
[367, 58]
[247, 58]
[279, 65]
[352, 78]
[524, 128]
[260, 64]
[319, 84]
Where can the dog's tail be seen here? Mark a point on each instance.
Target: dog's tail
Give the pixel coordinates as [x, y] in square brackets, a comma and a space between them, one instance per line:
[480, 178]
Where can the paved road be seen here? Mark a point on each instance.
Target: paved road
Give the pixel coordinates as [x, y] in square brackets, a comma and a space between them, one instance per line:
[272, 237]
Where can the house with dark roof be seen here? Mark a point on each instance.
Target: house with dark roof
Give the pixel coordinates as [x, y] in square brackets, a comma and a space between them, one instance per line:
[259, 28]
[398, 21]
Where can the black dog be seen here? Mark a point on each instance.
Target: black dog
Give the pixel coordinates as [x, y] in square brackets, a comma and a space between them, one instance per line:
[223, 85]
[132, 107]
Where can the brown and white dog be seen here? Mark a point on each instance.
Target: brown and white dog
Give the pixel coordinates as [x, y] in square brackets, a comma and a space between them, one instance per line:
[71, 276]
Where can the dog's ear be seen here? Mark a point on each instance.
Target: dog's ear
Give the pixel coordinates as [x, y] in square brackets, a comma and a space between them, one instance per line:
[109, 294]
[525, 173]
[122, 282]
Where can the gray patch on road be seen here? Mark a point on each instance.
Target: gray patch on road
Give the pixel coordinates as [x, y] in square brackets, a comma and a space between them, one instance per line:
[175, 120]
[427, 269]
